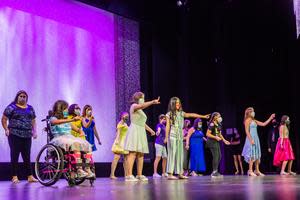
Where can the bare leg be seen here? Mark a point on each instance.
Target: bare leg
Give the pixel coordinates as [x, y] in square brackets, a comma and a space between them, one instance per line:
[257, 162]
[164, 165]
[157, 159]
[250, 171]
[283, 166]
[140, 163]
[290, 163]
[290, 168]
[241, 164]
[235, 159]
[114, 164]
[130, 161]
[125, 166]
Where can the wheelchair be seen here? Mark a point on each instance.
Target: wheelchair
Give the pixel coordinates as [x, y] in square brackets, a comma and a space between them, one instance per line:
[52, 163]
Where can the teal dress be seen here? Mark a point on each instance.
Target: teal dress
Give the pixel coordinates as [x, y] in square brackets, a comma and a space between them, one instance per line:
[175, 144]
[252, 152]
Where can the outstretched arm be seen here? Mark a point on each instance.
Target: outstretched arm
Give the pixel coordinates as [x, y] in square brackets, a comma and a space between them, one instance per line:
[195, 115]
[146, 104]
[266, 122]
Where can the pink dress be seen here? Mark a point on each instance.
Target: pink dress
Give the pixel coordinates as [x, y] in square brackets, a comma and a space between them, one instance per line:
[284, 153]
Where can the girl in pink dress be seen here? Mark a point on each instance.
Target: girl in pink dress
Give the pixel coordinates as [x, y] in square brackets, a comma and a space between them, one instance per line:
[284, 152]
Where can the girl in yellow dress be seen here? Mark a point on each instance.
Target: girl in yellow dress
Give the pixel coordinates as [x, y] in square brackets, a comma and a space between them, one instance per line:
[73, 111]
[118, 145]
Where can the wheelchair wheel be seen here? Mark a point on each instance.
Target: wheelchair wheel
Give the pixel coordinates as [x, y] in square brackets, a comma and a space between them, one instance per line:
[49, 165]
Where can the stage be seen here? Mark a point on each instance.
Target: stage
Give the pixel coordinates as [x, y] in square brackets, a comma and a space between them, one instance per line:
[204, 187]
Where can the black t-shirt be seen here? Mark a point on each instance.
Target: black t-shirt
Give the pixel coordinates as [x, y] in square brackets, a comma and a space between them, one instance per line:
[216, 130]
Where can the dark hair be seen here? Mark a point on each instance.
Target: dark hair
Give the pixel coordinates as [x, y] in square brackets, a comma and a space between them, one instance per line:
[213, 116]
[122, 114]
[136, 96]
[172, 108]
[85, 108]
[283, 121]
[72, 109]
[161, 116]
[58, 108]
[196, 121]
[18, 94]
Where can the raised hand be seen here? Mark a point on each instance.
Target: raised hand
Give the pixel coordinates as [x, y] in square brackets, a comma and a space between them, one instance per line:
[156, 101]
[207, 116]
[273, 116]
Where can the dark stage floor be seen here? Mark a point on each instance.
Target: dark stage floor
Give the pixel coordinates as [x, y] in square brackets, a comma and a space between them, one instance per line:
[229, 187]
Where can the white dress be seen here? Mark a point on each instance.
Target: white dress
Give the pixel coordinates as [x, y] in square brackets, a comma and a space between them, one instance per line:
[136, 139]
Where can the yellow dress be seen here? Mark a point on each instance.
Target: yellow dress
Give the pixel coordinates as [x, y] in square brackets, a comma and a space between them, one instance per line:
[78, 124]
[119, 148]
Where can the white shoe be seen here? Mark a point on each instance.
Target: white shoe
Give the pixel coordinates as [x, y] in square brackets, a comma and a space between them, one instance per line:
[283, 173]
[130, 178]
[165, 175]
[194, 173]
[142, 178]
[292, 173]
[156, 175]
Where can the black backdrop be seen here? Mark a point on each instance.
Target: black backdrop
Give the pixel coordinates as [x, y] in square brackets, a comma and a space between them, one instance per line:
[219, 55]
[224, 56]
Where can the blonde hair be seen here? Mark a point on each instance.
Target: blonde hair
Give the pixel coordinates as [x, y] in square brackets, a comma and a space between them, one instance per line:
[136, 96]
[248, 113]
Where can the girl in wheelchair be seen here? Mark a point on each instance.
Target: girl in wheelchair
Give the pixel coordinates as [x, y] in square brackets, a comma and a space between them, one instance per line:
[61, 128]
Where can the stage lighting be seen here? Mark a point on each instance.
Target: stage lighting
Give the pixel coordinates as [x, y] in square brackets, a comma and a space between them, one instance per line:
[179, 3]
[182, 3]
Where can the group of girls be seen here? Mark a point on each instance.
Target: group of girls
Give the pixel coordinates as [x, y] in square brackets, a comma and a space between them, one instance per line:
[173, 140]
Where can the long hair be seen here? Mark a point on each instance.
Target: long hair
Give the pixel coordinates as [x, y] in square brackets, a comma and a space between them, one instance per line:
[283, 121]
[58, 108]
[136, 96]
[172, 108]
[85, 108]
[212, 117]
[196, 121]
[247, 113]
[18, 94]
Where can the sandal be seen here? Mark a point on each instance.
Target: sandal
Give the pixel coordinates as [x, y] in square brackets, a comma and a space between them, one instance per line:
[15, 179]
[31, 179]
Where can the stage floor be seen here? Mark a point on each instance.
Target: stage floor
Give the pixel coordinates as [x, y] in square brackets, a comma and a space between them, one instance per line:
[228, 187]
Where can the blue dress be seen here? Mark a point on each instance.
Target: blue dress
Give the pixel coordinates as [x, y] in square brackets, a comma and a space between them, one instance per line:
[90, 134]
[197, 159]
[252, 152]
